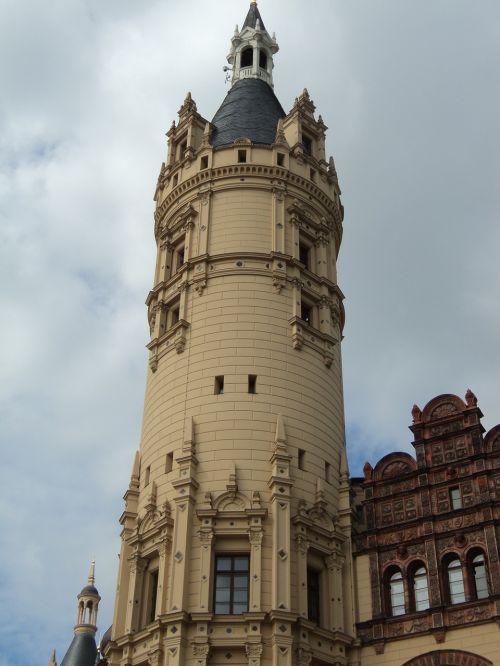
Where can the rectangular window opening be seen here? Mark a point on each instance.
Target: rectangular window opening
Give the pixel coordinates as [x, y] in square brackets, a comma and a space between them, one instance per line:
[281, 159]
[301, 459]
[176, 179]
[312, 175]
[242, 156]
[307, 144]
[175, 314]
[204, 162]
[219, 385]
[306, 313]
[182, 150]
[328, 472]
[231, 584]
[147, 476]
[313, 595]
[169, 462]
[456, 498]
[304, 254]
[252, 383]
[153, 586]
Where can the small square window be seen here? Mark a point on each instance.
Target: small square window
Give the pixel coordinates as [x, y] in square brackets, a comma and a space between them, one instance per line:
[242, 156]
[456, 498]
[281, 159]
[204, 162]
[252, 383]
[219, 385]
[301, 459]
[169, 462]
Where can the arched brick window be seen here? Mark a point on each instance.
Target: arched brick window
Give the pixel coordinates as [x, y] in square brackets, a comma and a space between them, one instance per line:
[478, 574]
[454, 580]
[448, 658]
[395, 592]
[419, 587]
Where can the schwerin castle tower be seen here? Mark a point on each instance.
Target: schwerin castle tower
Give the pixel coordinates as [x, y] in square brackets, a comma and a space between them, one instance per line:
[240, 518]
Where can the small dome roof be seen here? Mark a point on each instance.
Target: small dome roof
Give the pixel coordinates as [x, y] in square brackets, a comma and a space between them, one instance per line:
[250, 110]
[89, 589]
[106, 638]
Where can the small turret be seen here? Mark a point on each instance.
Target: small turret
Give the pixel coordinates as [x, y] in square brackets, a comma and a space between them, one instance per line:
[83, 648]
[252, 49]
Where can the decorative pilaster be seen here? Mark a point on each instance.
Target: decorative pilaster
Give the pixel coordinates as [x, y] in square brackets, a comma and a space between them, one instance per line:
[334, 564]
[302, 549]
[137, 568]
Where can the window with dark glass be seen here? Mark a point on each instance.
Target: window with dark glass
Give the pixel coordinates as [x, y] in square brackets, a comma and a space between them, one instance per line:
[304, 254]
[231, 584]
[397, 594]
[313, 595]
[420, 589]
[306, 313]
[456, 498]
[479, 576]
[153, 595]
[456, 588]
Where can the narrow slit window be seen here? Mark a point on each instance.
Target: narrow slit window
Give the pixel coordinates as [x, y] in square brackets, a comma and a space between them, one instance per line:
[262, 59]
[153, 582]
[242, 156]
[328, 472]
[280, 159]
[169, 462]
[301, 459]
[313, 595]
[147, 475]
[204, 162]
[219, 385]
[252, 383]
[312, 175]
[176, 179]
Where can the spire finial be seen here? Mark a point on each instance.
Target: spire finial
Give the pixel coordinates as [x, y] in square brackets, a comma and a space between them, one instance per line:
[91, 578]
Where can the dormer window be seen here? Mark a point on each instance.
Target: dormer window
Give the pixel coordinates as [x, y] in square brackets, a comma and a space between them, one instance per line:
[247, 57]
[262, 59]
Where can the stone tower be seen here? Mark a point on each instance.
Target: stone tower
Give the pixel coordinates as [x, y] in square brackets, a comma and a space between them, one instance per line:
[236, 529]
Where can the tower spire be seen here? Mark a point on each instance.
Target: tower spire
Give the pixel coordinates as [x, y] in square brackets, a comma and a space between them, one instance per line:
[91, 576]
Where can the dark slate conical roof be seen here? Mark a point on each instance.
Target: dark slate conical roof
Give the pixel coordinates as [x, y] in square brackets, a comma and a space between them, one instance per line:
[250, 110]
[252, 16]
[81, 652]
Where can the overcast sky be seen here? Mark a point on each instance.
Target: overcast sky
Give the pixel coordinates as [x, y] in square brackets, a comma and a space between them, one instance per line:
[410, 92]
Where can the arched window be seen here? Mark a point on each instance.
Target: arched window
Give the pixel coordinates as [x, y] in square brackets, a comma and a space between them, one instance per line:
[247, 57]
[420, 589]
[479, 576]
[456, 590]
[397, 593]
[262, 59]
